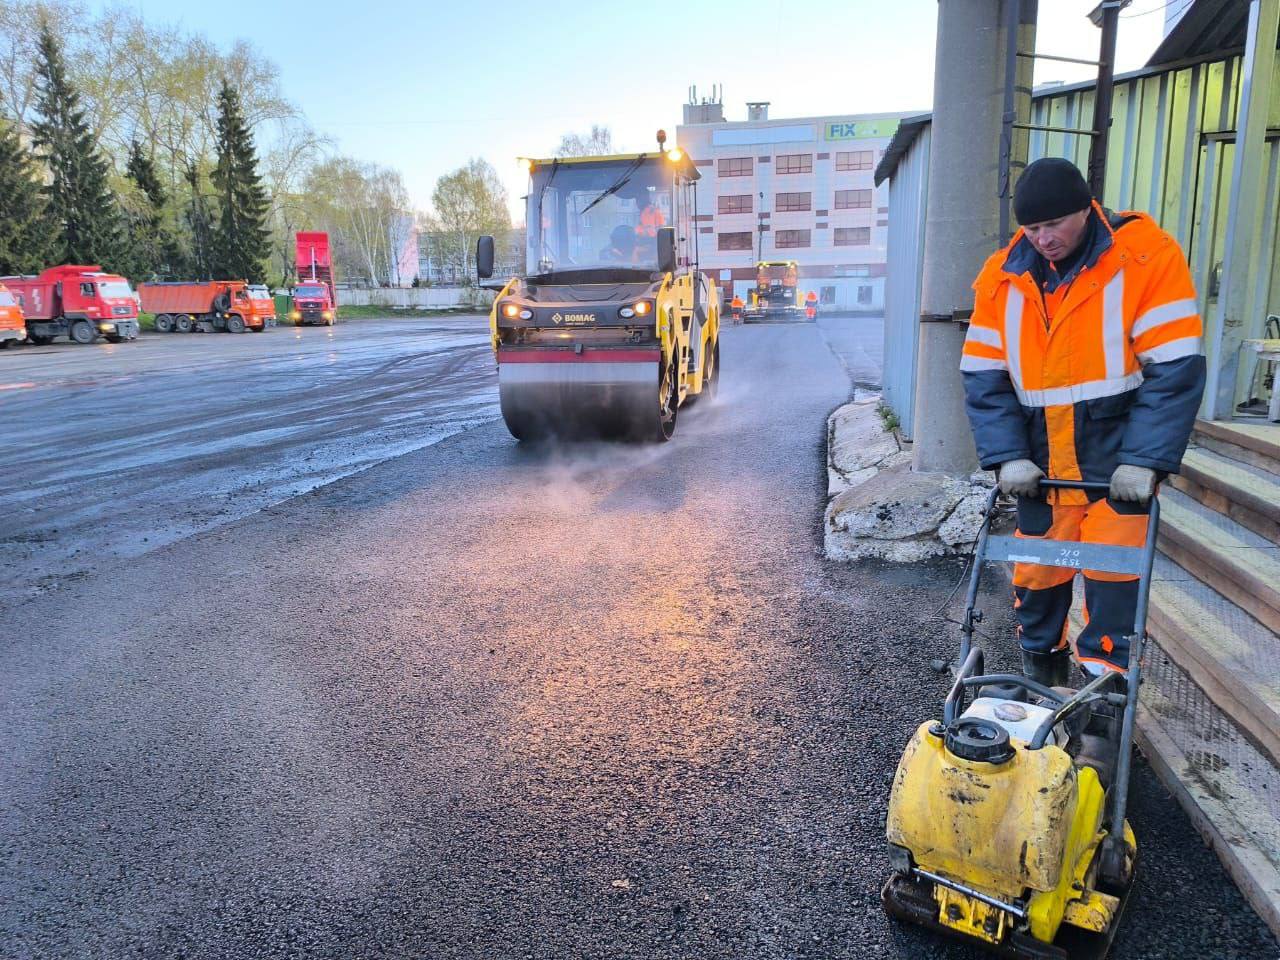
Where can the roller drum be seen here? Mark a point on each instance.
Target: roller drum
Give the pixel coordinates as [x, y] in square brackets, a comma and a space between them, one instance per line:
[590, 396]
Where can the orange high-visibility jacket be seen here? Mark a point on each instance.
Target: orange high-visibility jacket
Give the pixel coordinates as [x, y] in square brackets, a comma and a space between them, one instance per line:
[1113, 374]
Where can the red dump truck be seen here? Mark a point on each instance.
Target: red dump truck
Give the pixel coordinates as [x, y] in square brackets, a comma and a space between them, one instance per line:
[13, 328]
[314, 298]
[81, 302]
[205, 306]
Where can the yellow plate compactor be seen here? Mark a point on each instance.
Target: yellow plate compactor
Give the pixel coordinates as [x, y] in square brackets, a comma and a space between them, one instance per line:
[1006, 822]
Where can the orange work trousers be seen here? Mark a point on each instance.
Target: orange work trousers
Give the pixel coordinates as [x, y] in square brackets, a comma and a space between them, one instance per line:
[1042, 595]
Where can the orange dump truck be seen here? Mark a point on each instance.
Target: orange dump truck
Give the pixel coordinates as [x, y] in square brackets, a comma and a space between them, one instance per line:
[13, 329]
[208, 306]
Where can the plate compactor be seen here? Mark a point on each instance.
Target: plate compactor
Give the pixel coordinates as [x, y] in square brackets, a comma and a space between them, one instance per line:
[1006, 822]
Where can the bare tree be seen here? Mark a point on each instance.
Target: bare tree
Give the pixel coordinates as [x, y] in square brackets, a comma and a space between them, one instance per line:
[598, 142]
[468, 203]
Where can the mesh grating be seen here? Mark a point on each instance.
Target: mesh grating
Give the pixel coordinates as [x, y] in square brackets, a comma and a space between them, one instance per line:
[1226, 764]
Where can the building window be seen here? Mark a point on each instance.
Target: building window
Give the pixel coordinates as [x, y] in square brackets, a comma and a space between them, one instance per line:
[864, 295]
[741, 203]
[828, 296]
[734, 241]
[792, 202]
[855, 160]
[784, 239]
[734, 167]
[853, 199]
[795, 163]
[853, 236]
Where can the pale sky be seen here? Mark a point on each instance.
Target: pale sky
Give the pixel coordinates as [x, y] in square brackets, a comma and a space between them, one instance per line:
[423, 86]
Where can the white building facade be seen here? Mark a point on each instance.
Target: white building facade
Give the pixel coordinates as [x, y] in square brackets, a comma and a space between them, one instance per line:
[797, 189]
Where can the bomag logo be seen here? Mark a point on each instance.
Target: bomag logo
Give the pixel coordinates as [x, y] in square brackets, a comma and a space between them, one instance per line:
[579, 318]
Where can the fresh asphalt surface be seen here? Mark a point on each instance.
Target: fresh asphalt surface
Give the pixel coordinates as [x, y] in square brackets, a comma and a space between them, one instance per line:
[434, 694]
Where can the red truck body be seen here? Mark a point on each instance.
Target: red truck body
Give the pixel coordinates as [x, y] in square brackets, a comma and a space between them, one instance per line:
[82, 302]
[315, 300]
[209, 305]
[13, 327]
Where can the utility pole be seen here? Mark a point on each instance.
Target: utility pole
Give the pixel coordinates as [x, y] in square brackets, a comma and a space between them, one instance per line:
[962, 222]
[1107, 16]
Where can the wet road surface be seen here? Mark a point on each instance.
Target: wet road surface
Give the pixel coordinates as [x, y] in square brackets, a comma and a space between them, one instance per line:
[126, 447]
[481, 700]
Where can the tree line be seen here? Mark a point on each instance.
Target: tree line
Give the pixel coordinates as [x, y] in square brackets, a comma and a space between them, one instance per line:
[149, 150]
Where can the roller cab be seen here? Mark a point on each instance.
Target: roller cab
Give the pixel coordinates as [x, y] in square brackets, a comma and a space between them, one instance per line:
[611, 328]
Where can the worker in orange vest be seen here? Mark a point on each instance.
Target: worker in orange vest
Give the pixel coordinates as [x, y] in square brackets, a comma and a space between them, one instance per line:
[735, 307]
[1082, 362]
[811, 305]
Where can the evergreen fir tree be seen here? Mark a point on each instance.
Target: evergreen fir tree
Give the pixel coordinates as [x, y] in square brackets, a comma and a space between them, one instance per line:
[24, 229]
[154, 249]
[81, 207]
[242, 242]
[201, 264]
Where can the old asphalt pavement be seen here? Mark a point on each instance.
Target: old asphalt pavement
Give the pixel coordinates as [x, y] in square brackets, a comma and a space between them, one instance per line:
[473, 699]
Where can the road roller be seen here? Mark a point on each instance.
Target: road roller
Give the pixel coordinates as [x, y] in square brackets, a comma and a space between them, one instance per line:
[611, 328]
[1006, 821]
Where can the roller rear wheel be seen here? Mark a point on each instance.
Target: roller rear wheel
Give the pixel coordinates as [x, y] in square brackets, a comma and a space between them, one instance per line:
[668, 403]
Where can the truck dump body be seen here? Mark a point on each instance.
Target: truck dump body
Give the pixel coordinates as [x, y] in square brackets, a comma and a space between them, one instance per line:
[212, 305]
[315, 300]
[80, 302]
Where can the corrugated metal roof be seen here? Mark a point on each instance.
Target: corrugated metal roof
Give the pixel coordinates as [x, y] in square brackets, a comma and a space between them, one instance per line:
[1209, 26]
[908, 129]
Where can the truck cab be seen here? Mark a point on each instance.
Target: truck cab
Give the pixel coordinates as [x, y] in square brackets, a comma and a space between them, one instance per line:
[13, 328]
[311, 304]
[78, 302]
[262, 303]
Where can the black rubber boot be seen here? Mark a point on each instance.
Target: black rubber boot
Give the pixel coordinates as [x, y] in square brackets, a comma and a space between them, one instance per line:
[1048, 669]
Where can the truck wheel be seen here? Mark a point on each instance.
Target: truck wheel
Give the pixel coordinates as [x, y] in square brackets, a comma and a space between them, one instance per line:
[222, 303]
[82, 332]
[183, 323]
[235, 324]
[164, 323]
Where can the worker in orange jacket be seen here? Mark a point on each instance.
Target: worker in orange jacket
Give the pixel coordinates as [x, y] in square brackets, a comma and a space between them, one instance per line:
[811, 305]
[735, 307]
[1082, 362]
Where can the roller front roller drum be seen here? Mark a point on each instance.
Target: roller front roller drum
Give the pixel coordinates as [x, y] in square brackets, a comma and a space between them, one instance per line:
[603, 394]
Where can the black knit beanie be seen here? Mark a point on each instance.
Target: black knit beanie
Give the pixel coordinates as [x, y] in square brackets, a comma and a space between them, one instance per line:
[1048, 189]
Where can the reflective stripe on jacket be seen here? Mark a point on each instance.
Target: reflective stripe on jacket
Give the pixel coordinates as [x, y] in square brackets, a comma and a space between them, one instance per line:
[1113, 374]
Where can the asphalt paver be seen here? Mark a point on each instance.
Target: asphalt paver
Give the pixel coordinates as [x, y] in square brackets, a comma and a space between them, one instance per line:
[486, 700]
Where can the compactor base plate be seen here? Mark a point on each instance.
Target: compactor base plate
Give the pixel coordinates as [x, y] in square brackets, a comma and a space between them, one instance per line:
[911, 900]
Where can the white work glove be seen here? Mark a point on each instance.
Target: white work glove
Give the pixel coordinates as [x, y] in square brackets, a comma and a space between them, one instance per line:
[1021, 478]
[1134, 484]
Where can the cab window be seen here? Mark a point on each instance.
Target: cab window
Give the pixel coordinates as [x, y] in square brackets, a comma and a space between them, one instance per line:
[86, 290]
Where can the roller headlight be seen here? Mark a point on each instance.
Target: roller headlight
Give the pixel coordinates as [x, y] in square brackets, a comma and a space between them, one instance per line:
[510, 311]
[626, 313]
[642, 308]
[526, 314]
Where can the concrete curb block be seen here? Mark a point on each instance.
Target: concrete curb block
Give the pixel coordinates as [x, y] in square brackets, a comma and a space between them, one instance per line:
[879, 508]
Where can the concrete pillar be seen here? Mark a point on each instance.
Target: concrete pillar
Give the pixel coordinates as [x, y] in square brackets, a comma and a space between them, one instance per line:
[1240, 314]
[962, 222]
